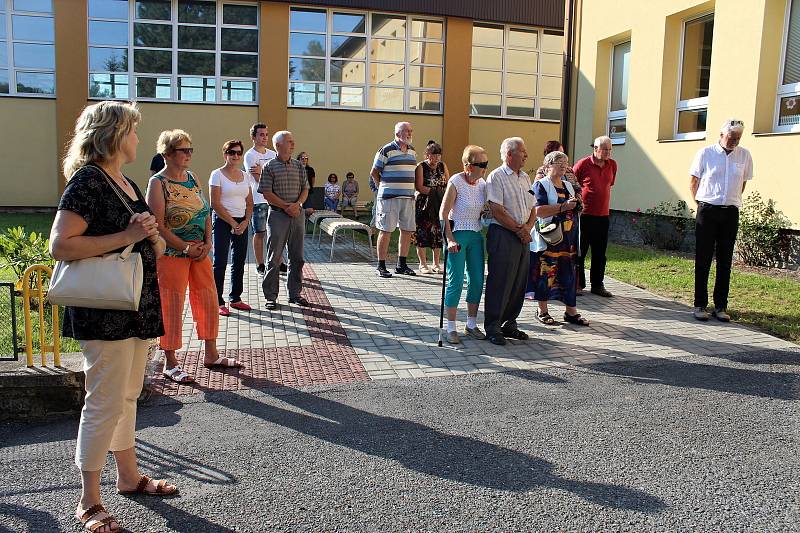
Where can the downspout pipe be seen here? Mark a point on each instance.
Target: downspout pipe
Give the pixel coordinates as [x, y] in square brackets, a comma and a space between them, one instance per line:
[569, 62]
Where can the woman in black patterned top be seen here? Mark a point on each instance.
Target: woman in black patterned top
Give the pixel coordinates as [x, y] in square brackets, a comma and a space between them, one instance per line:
[432, 176]
[92, 220]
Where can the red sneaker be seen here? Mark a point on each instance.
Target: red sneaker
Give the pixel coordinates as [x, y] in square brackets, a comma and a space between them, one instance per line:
[223, 311]
[241, 306]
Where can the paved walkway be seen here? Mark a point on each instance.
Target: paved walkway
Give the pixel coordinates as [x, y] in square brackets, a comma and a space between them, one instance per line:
[362, 327]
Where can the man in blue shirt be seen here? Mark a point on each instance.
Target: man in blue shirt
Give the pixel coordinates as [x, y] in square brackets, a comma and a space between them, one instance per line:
[394, 174]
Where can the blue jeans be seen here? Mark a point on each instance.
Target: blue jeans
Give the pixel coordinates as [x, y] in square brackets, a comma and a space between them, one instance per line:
[223, 241]
[331, 204]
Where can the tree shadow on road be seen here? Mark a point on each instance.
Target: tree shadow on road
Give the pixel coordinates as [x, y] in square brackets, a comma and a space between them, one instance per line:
[429, 451]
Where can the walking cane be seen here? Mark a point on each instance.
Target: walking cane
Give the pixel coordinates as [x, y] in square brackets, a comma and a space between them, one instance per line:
[444, 284]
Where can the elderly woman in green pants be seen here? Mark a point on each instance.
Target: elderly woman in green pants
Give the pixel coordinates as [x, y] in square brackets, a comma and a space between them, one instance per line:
[461, 208]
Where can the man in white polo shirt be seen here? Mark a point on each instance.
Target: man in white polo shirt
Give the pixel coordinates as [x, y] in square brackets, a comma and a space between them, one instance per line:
[719, 174]
[254, 160]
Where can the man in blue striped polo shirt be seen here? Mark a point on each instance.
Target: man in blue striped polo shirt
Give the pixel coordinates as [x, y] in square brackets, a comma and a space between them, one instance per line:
[394, 172]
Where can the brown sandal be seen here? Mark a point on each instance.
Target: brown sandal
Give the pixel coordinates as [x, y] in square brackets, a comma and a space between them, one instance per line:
[90, 523]
[141, 488]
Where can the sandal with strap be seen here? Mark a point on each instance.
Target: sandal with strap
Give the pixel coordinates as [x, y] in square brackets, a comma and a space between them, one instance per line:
[178, 375]
[576, 319]
[545, 319]
[144, 481]
[90, 523]
[224, 362]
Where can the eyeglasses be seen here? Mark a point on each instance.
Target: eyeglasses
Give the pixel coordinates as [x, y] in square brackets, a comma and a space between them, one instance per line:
[484, 164]
[736, 123]
[303, 159]
[233, 152]
[186, 151]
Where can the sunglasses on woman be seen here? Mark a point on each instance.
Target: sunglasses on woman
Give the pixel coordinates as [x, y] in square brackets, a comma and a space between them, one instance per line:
[185, 151]
[233, 152]
[484, 164]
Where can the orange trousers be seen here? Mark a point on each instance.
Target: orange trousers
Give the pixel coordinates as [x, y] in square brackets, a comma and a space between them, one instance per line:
[174, 274]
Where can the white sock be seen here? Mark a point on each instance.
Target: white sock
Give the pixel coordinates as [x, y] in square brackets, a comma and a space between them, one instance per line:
[472, 322]
[451, 325]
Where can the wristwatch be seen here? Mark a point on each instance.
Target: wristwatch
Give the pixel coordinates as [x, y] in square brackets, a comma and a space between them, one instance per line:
[186, 250]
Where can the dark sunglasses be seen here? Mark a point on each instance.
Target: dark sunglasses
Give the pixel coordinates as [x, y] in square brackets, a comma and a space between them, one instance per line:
[187, 151]
[480, 165]
[233, 152]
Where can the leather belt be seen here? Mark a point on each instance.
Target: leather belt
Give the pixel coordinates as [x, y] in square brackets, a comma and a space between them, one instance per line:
[706, 204]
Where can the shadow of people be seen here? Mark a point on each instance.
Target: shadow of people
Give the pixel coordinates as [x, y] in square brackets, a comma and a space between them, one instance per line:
[160, 462]
[678, 373]
[34, 520]
[427, 450]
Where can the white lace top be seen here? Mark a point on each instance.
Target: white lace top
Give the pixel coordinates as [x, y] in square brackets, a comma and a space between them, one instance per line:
[466, 211]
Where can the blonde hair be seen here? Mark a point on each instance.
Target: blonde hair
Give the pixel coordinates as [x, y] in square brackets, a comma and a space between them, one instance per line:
[169, 140]
[99, 132]
[470, 153]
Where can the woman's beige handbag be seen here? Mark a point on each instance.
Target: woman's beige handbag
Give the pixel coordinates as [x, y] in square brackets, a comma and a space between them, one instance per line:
[110, 281]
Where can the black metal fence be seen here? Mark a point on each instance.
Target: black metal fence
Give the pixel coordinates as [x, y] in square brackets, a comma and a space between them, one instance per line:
[9, 338]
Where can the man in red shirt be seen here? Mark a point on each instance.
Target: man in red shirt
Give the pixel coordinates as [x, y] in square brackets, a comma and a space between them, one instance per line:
[596, 174]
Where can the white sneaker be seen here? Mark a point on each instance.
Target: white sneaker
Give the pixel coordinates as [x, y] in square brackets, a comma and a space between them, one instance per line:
[452, 337]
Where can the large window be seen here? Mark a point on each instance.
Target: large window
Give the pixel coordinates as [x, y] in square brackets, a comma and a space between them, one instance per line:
[360, 60]
[516, 72]
[27, 49]
[787, 117]
[618, 97]
[692, 107]
[173, 50]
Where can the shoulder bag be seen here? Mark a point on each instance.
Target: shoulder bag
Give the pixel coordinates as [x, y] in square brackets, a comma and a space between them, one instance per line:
[110, 281]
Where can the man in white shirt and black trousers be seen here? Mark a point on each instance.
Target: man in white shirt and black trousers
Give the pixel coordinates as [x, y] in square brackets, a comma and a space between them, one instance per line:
[719, 174]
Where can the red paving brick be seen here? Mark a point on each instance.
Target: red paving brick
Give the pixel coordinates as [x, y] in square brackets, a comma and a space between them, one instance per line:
[330, 358]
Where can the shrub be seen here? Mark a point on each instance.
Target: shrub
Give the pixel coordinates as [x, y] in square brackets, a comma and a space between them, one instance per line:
[760, 241]
[19, 250]
[665, 225]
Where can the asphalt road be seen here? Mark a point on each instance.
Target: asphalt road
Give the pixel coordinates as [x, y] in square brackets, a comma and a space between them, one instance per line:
[702, 443]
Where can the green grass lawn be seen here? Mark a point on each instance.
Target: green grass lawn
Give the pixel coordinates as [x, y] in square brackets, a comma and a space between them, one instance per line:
[769, 303]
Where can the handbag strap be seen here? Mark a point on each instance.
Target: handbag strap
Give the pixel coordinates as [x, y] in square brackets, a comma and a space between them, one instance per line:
[123, 256]
[116, 189]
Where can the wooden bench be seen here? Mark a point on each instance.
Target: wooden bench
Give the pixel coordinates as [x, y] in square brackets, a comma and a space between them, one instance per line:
[360, 205]
[317, 216]
[332, 226]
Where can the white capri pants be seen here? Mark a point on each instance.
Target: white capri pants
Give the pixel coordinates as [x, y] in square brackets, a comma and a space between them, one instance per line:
[114, 376]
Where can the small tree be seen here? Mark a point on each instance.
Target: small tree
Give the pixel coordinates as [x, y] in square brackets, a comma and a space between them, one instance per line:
[665, 225]
[19, 250]
[760, 241]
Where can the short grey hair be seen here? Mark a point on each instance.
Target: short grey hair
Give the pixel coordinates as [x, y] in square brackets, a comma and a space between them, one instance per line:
[601, 141]
[732, 124]
[552, 157]
[279, 136]
[509, 145]
[399, 126]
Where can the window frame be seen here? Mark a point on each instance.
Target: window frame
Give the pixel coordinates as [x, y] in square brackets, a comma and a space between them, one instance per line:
[367, 61]
[787, 89]
[692, 104]
[505, 47]
[7, 15]
[623, 113]
[175, 77]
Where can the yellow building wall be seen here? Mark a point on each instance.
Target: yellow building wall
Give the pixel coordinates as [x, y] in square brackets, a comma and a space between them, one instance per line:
[29, 152]
[489, 133]
[208, 125]
[339, 140]
[744, 68]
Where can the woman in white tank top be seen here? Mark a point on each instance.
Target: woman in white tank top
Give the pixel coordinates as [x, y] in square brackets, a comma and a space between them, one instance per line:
[463, 203]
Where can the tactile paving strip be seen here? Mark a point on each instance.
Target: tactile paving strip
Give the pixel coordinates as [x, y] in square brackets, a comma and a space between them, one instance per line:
[330, 358]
